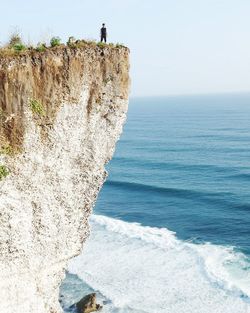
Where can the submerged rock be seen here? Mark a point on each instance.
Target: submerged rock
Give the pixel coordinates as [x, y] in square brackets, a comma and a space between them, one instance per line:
[88, 304]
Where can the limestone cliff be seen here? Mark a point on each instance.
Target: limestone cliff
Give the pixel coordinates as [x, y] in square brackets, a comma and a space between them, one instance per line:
[61, 113]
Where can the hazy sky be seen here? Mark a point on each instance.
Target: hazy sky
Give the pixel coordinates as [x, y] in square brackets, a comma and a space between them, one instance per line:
[177, 46]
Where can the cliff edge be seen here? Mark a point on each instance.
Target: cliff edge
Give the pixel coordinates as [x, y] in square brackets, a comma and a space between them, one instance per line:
[61, 113]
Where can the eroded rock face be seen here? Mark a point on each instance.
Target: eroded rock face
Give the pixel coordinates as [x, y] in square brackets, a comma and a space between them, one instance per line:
[56, 164]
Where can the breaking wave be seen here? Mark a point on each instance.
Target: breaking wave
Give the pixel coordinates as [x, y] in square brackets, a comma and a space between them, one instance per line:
[146, 269]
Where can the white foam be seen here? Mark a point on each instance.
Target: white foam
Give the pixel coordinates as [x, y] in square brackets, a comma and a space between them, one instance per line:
[145, 269]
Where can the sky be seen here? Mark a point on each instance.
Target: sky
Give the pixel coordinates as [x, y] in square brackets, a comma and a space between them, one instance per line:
[177, 47]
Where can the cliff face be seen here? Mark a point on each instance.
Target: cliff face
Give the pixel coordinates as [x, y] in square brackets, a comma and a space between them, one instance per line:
[62, 112]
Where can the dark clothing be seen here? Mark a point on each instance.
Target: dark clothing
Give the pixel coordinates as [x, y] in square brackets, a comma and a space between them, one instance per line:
[104, 34]
[103, 38]
[104, 31]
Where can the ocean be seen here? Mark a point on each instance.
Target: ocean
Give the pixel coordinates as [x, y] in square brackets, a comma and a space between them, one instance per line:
[171, 227]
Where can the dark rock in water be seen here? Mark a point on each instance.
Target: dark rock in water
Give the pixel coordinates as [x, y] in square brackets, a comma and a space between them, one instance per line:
[88, 304]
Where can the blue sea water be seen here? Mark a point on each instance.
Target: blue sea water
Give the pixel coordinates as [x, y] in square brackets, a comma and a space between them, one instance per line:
[171, 228]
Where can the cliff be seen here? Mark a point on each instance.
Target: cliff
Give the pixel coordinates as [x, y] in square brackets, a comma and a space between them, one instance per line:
[61, 113]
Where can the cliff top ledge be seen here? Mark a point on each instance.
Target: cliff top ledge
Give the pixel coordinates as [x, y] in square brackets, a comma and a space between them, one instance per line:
[20, 49]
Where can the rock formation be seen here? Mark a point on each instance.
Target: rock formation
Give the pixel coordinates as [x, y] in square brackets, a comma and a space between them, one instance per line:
[61, 113]
[88, 304]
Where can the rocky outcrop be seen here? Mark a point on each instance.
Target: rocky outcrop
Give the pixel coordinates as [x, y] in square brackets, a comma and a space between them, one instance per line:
[61, 113]
[88, 304]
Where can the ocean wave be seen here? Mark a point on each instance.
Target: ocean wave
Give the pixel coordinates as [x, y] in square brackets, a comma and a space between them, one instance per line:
[173, 166]
[176, 192]
[219, 199]
[147, 269]
[243, 176]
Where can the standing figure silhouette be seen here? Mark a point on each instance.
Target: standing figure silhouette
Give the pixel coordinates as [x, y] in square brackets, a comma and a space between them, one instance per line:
[103, 33]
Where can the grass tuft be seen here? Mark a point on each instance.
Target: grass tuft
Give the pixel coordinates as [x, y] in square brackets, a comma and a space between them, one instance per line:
[101, 45]
[37, 107]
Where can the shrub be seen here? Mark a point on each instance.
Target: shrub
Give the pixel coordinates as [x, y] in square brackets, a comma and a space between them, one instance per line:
[71, 41]
[37, 107]
[15, 39]
[16, 43]
[41, 47]
[4, 171]
[55, 41]
[19, 47]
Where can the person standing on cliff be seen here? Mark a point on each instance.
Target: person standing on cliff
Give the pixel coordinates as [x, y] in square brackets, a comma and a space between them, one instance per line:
[103, 33]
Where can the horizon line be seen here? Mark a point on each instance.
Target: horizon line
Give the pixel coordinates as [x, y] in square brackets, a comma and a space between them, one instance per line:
[193, 94]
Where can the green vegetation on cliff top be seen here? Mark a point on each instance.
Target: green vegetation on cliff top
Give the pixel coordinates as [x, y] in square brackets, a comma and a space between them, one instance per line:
[16, 46]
